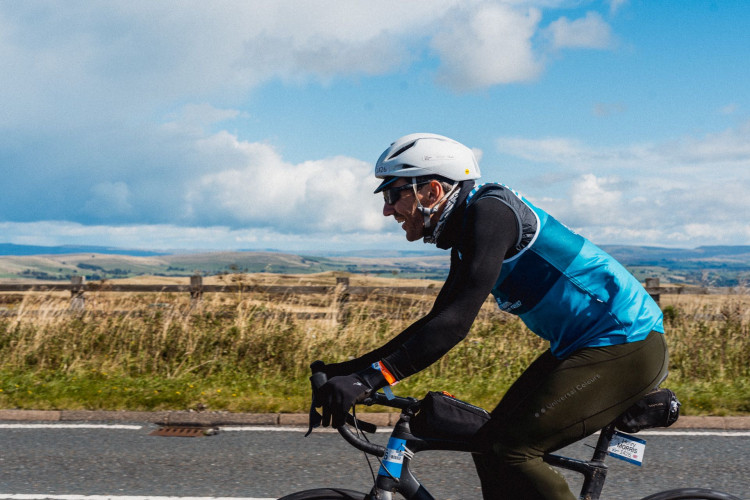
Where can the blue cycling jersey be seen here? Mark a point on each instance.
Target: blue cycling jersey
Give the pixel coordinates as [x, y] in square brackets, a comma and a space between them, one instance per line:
[566, 289]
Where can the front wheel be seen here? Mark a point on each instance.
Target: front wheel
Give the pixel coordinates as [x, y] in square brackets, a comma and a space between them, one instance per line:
[326, 494]
[691, 494]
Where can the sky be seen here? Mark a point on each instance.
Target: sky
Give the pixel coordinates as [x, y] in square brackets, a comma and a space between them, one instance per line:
[256, 124]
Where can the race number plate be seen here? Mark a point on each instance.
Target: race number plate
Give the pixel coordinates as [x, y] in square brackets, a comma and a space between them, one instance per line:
[628, 448]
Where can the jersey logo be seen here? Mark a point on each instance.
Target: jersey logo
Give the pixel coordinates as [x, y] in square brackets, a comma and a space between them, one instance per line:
[508, 306]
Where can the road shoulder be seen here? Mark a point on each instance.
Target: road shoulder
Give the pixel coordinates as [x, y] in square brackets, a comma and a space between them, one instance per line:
[282, 419]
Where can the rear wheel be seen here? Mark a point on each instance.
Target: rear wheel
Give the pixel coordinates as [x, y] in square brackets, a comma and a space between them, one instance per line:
[691, 494]
[326, 494]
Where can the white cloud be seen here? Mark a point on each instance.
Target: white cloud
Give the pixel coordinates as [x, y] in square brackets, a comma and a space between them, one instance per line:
[729, 148]
[590, 32]
[616, 5]
[86, 63]
[687, 192]
[330, 194]
[488, 45]
[198, 51]
[122, 101]
[591, 193]
[175, 237]
[198, 116]
[95, 52]
[122, 113]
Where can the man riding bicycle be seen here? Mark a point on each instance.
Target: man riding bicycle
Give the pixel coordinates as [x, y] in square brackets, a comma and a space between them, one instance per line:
[605, 332]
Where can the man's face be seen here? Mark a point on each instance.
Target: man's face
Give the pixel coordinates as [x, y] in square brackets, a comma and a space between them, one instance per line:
[405, 211]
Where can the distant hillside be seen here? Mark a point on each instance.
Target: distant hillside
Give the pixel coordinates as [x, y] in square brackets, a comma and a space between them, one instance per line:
[101, 266]
[708, 265]
[738, 256]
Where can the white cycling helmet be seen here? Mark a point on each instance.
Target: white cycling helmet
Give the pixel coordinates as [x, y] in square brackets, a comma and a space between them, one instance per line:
[416, 155]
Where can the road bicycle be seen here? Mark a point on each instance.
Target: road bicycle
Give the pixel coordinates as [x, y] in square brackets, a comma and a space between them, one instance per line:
[395, 475]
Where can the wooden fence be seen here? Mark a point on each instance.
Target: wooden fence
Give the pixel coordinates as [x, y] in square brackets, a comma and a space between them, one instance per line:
[78, 287]
[342, 290]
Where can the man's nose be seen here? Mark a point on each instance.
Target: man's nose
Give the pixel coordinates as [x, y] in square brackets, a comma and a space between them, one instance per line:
[388, 209]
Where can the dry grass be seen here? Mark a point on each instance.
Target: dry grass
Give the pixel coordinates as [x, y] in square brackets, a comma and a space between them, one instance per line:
[251, 352]
[709, 351]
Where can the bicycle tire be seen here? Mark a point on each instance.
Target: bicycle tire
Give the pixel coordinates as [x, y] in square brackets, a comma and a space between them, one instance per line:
[326, 494]
[691, 494]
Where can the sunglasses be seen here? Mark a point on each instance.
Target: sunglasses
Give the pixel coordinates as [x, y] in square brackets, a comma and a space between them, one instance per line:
[392, 195]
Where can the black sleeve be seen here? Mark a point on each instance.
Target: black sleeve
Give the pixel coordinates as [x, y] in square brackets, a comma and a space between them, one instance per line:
[490, 230]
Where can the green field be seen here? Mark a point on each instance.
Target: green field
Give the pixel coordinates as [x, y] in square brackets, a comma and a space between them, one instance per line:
[248, 353]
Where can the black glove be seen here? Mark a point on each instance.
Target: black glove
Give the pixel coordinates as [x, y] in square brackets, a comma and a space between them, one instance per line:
[339, 394]
[329, 371]
[321, 373]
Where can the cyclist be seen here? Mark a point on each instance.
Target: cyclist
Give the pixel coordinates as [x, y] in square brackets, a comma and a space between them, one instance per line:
[605, 332]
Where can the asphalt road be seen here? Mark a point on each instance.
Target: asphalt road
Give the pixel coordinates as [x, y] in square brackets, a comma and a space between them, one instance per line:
[126, 460]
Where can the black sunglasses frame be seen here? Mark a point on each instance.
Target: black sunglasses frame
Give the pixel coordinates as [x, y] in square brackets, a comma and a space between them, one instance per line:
[392, 195]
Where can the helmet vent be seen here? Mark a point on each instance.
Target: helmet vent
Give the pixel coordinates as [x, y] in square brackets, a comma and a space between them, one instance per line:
[405, 148]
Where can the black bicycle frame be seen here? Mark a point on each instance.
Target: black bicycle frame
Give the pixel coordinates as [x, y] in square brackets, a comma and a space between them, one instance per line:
[395, 474]
[594, 471]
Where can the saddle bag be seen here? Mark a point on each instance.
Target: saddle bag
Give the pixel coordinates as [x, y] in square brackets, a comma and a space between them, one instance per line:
[658, 408]
[441, 416]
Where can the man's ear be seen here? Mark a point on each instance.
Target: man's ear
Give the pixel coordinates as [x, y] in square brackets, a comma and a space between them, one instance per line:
[434, 193]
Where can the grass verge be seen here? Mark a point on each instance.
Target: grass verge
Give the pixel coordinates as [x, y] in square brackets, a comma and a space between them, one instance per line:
[239, 354]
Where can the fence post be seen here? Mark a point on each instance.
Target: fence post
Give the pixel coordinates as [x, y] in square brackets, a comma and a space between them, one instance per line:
[77, 300]
[342, 299]
[652, 287]
[196, 289]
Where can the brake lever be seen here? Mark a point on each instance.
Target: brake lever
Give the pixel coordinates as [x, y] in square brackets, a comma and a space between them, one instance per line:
[317, 380]
[315, 419]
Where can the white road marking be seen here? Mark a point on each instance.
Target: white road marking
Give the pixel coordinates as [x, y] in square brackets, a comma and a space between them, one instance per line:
[42, 496]
[253, 428]
[280, 428]
[70, 426]
[695, 433]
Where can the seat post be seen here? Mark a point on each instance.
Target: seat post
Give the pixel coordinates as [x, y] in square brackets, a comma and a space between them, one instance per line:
[602, 444]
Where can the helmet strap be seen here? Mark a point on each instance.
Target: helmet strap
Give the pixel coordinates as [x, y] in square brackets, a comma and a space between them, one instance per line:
[428, 212]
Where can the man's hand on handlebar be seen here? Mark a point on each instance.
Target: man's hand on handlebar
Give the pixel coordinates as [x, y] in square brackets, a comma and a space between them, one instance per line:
[338, 396]
[339, 393]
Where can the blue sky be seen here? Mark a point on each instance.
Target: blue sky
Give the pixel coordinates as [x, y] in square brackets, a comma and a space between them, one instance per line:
[256, 124]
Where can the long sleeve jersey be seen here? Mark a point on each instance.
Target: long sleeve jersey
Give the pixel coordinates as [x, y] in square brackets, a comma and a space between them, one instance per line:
[564, 288]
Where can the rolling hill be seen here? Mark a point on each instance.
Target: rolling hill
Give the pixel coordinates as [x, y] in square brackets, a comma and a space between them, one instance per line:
[707, 265]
